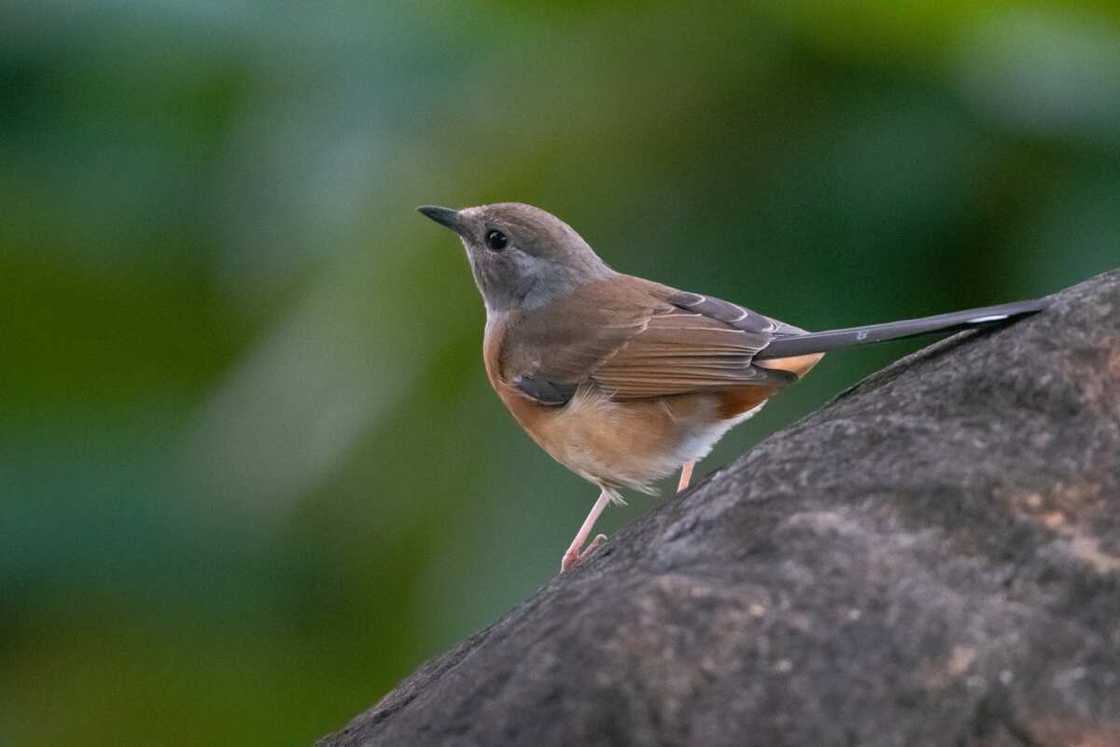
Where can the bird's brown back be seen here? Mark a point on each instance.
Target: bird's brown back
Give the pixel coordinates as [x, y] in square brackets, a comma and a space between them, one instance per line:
[634, 339]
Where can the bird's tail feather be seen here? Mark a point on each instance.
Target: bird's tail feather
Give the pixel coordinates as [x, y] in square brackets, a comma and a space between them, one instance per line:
[822, 342]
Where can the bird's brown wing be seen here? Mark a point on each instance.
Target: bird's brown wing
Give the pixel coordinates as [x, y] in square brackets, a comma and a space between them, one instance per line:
[638, 340]
[682, 352]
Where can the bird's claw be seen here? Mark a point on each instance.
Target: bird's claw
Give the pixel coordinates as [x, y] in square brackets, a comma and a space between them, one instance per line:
[574, 557]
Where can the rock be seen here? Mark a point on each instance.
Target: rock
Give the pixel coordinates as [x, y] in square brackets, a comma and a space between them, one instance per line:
[931, 559]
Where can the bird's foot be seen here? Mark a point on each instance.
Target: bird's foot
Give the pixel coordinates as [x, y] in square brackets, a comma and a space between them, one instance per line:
[574, 555]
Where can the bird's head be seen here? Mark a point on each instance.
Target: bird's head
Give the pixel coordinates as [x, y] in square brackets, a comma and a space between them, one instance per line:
[522, 257]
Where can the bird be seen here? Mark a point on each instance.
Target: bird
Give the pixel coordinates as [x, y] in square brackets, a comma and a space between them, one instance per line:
[624, 380]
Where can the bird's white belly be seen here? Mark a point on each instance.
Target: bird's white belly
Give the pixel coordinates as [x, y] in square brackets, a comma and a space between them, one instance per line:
[701, 438]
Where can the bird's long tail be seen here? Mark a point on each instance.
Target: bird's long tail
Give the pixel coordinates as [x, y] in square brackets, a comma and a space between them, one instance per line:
[822, 342]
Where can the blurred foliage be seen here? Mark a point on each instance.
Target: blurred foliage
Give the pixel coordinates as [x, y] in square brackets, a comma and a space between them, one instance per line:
[251, 470]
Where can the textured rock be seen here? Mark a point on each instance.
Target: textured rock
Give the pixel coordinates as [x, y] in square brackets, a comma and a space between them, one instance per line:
[933, 558]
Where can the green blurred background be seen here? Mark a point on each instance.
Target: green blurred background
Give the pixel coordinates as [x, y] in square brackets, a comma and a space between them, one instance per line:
[251, 473]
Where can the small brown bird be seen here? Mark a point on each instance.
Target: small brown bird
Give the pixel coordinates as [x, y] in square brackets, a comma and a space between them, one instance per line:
[624, 380]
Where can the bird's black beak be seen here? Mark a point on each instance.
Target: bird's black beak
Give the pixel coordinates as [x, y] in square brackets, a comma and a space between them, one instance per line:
[443, 216]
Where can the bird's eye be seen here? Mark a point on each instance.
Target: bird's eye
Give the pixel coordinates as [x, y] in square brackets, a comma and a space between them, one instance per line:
[496, 240]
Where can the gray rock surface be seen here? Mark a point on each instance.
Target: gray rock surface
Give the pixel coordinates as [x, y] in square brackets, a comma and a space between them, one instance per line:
[931, 559]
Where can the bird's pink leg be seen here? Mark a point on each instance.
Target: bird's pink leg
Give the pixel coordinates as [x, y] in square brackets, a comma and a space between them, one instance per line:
[686, 476]
[574, 553]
